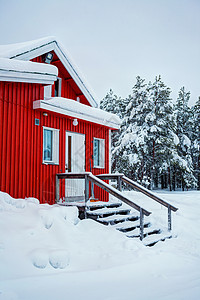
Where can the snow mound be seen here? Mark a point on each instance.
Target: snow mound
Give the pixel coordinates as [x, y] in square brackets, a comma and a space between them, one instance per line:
[59, 259]
[47, 218]
[40, 258]
[70, 214]
[33, 200]
[7, 199]
[52, 237]
[41, 263]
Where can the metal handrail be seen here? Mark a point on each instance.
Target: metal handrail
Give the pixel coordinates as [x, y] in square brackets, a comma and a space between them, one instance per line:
[136, 186]
[121, 177]
[118, 194]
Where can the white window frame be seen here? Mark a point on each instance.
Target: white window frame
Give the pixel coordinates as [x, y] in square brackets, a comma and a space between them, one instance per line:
[101, 154]
[55, 146]
[47, 91]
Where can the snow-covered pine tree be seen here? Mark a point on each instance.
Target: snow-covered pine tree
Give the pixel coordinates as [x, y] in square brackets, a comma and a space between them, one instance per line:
[161, 136]
[196, 141]
[116, 105]
[130, 149]
[185, 173]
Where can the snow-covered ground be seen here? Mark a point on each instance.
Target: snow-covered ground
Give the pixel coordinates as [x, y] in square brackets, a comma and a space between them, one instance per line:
[46, 252]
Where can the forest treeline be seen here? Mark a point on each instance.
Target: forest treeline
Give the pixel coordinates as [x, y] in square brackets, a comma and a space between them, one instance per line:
[158, 143]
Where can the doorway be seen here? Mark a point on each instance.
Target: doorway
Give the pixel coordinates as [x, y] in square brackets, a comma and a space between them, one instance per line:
[75, 162]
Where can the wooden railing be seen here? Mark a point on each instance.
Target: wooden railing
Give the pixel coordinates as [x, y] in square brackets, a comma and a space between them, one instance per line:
[122, 178]
[89, 177]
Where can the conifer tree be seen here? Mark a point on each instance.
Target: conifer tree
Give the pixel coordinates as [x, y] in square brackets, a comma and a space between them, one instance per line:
[196, 141]
[153, 143]
[161, 137]
[116, 105]
[131, 147]
[185, 175]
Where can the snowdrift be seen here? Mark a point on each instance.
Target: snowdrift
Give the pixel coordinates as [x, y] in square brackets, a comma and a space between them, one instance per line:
[35, 237]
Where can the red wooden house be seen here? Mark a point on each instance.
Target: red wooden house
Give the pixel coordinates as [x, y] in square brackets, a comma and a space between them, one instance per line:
[49, 123]
[51, 129]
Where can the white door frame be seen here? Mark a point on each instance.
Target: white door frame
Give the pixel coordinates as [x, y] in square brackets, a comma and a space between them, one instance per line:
[74, 162]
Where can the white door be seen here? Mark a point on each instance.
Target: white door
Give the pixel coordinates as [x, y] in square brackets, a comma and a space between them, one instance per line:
[75, 162]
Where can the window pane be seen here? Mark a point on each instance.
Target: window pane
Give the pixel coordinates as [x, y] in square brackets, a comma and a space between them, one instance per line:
[56, 88]
[48, 135]
[96, 152]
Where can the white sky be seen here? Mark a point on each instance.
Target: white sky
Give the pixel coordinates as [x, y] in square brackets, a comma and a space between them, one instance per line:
[113, 41]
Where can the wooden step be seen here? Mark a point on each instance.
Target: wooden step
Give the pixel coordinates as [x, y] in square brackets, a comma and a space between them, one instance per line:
[115, 219]
[125, 220]
[100, 204]
[153, 239]
[147, 231]
[106, 212]
[130, 225]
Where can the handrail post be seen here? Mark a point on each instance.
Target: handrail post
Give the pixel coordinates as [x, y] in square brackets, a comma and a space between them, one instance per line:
[169, 218]
[141, 224]
[86, 193]
[119, 183]
[57, 189]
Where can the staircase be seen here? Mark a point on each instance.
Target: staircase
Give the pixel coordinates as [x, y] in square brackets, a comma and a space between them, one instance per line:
[129, 218]
[127, 221]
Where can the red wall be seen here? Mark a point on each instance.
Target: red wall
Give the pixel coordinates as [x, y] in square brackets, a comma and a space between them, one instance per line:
[22, 173]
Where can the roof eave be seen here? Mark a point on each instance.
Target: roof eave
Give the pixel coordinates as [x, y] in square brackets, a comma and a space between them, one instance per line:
[16, 76]
[41, 104]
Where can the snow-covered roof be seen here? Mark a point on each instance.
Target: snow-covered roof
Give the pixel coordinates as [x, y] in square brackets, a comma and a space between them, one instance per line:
[26, 71]
[32, 49]
[78, 110]
[18, 50]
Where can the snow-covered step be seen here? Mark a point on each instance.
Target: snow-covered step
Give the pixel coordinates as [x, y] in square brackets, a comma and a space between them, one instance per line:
[147, 231]
[100, 204]
[127, 220]
[114, 219]
[105, 212]
[151, 240]
[130, 225]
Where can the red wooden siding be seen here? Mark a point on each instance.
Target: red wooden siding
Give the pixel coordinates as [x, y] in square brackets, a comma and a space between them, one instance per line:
[22, 173]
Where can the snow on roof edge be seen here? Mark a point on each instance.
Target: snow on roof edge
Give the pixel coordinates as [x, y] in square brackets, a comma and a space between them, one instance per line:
[13, 50]
[79, 110]
[7, 64]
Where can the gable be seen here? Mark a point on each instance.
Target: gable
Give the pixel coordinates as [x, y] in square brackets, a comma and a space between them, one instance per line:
[70, 89]
[34, 51]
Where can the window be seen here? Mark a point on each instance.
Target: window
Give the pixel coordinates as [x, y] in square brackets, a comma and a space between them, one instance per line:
[98, 153]
[58, 84]
[50, 145]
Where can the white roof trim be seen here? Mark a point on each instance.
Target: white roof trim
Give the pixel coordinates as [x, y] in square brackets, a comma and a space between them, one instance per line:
[23, 77]
[78, 110]
[30, 50]
[26, 71]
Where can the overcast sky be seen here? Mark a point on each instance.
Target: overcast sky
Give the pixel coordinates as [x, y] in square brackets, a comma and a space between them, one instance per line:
[113, 41]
